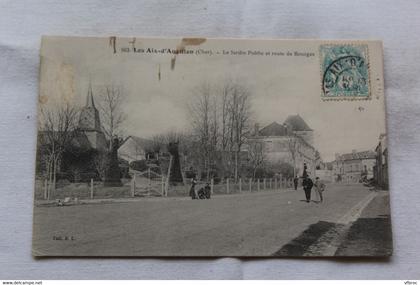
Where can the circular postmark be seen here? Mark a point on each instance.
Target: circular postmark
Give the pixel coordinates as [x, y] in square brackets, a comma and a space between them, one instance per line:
[345, 76]
[345, 72]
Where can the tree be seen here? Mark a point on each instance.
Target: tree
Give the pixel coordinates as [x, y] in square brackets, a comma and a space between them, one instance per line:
[58, 126]
[201, 113]
[239, 119]
[220, 119]
[111, 99]
[293, 149]
[256, 156]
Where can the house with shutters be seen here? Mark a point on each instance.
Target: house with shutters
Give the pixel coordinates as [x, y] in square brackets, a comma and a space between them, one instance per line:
[354, 167]
[290, 142]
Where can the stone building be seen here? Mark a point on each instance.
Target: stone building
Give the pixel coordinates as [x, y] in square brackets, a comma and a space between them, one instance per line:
[134, 148]
[290, 142]
[354, 167]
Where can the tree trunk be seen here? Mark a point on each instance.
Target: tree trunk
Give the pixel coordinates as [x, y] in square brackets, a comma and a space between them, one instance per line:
[49, 174]
[236, 166]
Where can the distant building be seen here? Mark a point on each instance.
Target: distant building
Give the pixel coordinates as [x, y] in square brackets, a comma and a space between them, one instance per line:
[354, 167]
[325, 175]
[290, 142]
[381, 167]
[134, 148]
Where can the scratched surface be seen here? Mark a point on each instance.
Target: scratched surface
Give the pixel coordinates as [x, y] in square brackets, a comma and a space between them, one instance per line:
[23, 22]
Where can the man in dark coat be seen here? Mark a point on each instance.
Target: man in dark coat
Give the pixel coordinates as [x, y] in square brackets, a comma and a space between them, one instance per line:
[307, 187]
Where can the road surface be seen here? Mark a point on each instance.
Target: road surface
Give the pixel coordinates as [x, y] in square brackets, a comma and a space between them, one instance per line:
[247, 224]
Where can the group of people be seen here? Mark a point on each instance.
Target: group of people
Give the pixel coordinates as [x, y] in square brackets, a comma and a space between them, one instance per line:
[308, 184]
[202, 193]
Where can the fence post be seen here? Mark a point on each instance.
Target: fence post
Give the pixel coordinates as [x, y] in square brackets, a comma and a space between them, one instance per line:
[271, 183]
[264, 186]
[162, 186]
[46, 189]
[227, 185]
[250, 184]
[91, 188]
[167, 177]
[275, 183]
[240, 185]
[258, 184]
[133, 185]
[281, 181]
[150, 181]
[211, 186]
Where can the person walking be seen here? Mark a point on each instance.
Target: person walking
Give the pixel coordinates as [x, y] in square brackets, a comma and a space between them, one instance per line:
[296, 182]
[193, 191]
[319, 187]
[307, 187]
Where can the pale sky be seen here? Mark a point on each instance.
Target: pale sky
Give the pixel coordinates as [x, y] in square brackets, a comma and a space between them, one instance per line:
[280, 85]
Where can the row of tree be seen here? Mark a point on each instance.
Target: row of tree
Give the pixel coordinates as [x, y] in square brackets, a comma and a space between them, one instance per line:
[220, 118]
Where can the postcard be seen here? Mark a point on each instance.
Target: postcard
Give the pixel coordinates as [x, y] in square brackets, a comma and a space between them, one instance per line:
[198, 147]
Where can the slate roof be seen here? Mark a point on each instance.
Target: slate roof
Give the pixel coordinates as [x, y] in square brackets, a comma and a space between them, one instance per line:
[273, 129]
[139, 141]
[297, 123]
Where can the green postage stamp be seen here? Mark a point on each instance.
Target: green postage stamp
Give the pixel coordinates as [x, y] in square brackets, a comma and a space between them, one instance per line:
[344, 72]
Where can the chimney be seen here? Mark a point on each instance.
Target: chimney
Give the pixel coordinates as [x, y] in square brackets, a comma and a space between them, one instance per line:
[256, 129]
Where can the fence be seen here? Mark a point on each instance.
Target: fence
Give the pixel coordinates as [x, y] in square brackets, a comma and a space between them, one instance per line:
[229, 186]
[149, 183]
[82, 190]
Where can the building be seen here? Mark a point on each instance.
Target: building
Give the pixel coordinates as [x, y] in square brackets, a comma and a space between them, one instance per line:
[134, 148]
[354, 167]
[381, 167]
[82, 157]
[290, 142]
[90, 125]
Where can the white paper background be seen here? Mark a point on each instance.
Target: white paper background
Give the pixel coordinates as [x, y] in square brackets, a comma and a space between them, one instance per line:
[22, 23]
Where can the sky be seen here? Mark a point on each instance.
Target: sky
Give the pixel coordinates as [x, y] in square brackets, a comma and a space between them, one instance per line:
[280, 85]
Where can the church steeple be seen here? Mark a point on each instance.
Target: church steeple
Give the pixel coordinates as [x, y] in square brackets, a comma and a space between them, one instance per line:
[89, 98]
[89, 115]
[90, 123]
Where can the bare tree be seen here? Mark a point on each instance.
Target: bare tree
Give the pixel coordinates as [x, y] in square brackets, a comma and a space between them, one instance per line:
[110, 104]
[256, 156]
[220, 119]
[240, 115]
[224, 108]
[201, 114]
[58, 125]
[293, 143]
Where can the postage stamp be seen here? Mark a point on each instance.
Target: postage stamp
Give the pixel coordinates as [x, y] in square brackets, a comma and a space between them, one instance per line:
[344, 72]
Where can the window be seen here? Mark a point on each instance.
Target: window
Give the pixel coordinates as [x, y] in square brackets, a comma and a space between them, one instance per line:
[269, 146]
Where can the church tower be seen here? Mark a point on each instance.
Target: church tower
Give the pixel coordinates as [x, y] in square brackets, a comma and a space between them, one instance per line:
[90, 123]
